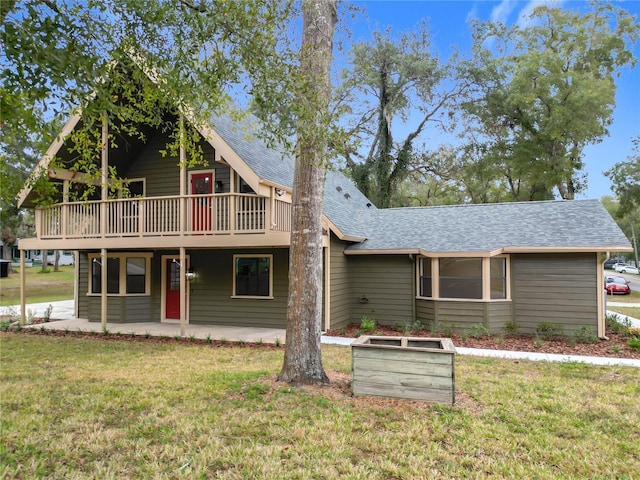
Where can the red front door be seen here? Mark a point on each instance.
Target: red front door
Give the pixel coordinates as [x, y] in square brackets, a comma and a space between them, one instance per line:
[172, 287]
[201, 184]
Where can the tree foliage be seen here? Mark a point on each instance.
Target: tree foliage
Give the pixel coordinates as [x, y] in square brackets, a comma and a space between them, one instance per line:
[392, 82]
[545, 90]
[625, 179]
[57, 54]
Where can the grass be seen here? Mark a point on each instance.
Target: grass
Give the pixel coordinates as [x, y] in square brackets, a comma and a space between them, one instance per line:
[96, 408]
[630, 311]
[633, 297]
[40, 287]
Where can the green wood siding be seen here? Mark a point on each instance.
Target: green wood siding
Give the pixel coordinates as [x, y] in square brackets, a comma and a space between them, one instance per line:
[559, 289]
[340, 289]
[498, 315]
[211, 293]
[459, 316]
[162, 174]
[120, 309]
[386, 282]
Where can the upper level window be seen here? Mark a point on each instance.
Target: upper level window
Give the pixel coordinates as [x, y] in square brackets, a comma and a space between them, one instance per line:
[244, 187]
[253, 276]
[127, 274]
[461, 278]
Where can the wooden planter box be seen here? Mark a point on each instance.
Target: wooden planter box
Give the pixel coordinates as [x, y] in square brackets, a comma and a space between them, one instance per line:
[404, 367]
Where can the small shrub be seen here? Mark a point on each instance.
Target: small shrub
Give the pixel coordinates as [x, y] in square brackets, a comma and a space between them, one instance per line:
[241, 342]
[511, 328]
[48, 312]
[478, 330]
[278, 342]
[223, 341]
[105, 331]
[617, 324]
[208, 338]
[585, 335]
[147, 334]
[402, 327]
[5, 325]
[634, 343]
[416, 327]
[616, 349]
[192, 338]
[448, 330]
[260, 342]
[549, 331]
[367, 324]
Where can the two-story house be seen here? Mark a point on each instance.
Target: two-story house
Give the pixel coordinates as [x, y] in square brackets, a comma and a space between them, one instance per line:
[210, 244]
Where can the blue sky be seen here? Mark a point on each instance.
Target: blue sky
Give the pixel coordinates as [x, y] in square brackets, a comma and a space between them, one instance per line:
[448, 21]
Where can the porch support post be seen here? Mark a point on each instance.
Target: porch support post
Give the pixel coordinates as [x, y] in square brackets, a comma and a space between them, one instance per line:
[103, 289]
[183, 292]
[104, 180]
[327, 285]
[23, 303]
[65, 208]
[183, 179]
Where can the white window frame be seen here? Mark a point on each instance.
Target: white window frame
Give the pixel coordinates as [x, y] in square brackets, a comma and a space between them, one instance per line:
[253, 255]
[122, 285]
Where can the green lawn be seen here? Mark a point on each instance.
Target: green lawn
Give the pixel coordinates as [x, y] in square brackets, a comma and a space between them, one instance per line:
[40, 287]
[92, 408]
[630, 311]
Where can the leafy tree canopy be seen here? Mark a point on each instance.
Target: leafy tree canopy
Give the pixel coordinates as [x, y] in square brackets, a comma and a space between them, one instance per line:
[545, 90]
[625, 179]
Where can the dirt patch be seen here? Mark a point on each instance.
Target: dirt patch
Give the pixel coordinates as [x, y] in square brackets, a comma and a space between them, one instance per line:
[615, 347]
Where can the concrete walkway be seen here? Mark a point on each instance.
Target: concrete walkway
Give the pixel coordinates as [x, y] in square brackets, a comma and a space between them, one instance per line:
[63, 313]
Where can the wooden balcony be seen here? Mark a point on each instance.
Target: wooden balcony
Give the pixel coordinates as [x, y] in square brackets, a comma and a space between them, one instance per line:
[191, 216]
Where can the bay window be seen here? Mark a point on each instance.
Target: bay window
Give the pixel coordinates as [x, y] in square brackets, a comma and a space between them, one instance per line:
[470, 278]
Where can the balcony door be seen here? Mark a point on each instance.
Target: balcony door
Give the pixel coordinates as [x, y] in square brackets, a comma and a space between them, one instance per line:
[202, 208]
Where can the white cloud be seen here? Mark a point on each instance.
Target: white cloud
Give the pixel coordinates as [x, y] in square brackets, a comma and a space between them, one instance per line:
[524, 19]
[500, 13]
[472, 14]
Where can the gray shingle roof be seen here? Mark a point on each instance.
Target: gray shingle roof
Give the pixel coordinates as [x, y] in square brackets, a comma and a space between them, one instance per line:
[484, 228]
[462, 228]
[344, 204]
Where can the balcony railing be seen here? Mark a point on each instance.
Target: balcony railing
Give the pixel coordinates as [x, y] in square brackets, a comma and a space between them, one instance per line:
[160, 216]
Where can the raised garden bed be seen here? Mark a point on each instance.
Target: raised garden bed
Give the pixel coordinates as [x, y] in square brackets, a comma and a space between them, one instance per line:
[411, 368]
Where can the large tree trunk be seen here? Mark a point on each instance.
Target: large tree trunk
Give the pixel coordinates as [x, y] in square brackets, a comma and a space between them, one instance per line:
[303, 358]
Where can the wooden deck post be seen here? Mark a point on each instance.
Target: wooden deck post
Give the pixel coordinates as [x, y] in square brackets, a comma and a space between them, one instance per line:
[103, 288]
[23, 303]
[183, 292]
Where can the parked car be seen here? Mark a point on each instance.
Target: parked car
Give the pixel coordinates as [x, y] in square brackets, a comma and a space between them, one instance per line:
[610, 264]
[626, 268]
[616, 285]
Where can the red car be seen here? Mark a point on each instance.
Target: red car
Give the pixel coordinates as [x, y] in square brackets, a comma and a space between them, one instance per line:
[616, 285]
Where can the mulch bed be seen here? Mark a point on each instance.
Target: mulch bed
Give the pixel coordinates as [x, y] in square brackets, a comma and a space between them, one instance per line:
[616, 346]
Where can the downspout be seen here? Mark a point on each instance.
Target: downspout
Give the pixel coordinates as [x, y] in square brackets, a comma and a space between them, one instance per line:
[602, 298]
